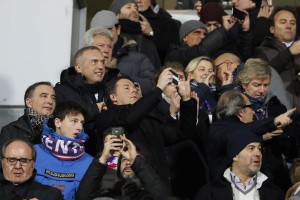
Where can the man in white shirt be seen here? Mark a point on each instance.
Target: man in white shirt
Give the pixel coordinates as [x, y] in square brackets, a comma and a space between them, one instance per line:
[243, 180]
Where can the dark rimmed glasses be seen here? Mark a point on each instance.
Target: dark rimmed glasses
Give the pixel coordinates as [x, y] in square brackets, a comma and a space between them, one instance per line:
[23, 161]
[227, 62]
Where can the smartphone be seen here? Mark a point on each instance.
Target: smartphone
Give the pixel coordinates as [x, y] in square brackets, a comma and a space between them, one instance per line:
[240, 15]
[175, 77]
[117, 131]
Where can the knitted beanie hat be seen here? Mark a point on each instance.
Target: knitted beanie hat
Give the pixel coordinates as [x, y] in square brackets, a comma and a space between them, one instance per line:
[116, 5]
[104, 19]
[189, 26]
[239, 140]
[212, 11]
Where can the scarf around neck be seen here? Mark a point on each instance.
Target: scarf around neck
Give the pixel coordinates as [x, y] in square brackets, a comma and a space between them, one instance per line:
[258, 107]
[130, 27]
[36, 120]
[62, 147]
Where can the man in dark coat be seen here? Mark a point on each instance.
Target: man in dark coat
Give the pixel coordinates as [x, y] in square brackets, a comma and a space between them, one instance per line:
[194, 42]
[148, 128]
[17, 174]
[282, 52]
[135, 179]
[165, 29]
[234, 112]
[39, 102]
[135, 27]
[243, 179]
[127, 59]
[83, 84]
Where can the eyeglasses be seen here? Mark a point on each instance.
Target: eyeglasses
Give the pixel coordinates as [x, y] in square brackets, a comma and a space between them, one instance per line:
[227, 62]
[23, 161]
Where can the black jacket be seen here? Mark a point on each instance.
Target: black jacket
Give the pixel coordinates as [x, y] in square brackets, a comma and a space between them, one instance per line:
[287, 65]
[27, 190]
[221, 190]
[219, 133]
[184, 54]
[284, 144]
[71, 87]
[20, 128]
[151, 185]
[149, 129]
[136, 65]
[144, 43]
[166, 31]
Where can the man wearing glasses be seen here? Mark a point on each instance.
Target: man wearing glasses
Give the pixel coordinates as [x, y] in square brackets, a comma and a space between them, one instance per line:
[234, 112]
[227, 67]
[17, 175]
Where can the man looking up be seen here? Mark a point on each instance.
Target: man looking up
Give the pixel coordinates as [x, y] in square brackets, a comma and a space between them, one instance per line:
[83, 84]
[39, 102]
[136, 27]
[243, 179]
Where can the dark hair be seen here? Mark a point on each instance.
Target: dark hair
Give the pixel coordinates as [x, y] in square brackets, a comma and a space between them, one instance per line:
[174, 65]
[110, 87]
[30, 90]
[33, 151]
[278, 9]
[65, 108]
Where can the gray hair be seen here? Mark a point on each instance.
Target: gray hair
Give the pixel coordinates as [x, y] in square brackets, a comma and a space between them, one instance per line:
[229, 104]
[88, 39]
[254, 68]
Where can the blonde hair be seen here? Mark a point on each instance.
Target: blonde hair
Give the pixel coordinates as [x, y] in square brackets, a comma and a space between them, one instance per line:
[194, 63]
[254, 68]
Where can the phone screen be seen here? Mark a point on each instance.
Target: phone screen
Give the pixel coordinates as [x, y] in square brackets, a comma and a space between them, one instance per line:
[175, 77]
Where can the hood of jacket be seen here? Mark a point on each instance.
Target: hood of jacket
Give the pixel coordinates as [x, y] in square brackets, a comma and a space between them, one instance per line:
[72, 78]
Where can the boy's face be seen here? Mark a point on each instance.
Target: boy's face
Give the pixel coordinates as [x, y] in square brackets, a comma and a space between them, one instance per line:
[70, 126]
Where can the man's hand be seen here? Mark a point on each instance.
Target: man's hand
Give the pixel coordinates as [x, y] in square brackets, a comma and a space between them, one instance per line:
[265, 11]
[227, 78]
[272, 134]
[184, 89]
[295, 48]
[131, 153]
[145, 25]
[284, 119]
[210, 78]
[198, 7]
[111, 145]
[174, 104]
[228, 21]
[101, 106]
[245, 23]
[164, 79]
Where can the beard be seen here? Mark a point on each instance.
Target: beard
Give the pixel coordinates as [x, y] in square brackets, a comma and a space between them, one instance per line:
[128, 176]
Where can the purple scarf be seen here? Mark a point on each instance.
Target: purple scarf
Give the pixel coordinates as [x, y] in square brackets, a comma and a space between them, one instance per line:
[63, 148]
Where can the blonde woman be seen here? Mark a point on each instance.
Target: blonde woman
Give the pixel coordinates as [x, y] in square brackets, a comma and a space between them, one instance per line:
[202, 74]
